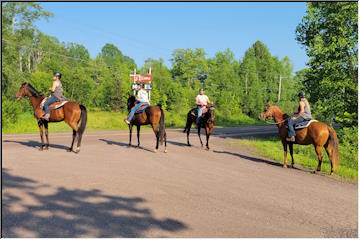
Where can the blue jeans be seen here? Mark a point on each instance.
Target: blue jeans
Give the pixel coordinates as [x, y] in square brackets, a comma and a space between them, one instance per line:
[199, 112]
[50, 100]
[134, 109]
[292, 123]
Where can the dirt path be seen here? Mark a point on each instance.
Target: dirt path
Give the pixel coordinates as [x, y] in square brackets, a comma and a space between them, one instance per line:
[109, 190]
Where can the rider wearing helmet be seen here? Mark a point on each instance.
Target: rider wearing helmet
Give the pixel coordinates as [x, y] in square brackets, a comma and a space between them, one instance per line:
[202, 102]
[142, 99]
[303, 114]
[56, 94]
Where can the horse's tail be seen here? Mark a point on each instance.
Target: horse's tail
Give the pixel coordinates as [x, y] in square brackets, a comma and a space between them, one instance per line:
[334, 143]
[83, 120]
[162, 126]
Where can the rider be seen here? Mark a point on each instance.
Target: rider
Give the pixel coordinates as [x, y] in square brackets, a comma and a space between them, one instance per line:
[303, 114]
[142, 99]
[202, 102]
[56, 94]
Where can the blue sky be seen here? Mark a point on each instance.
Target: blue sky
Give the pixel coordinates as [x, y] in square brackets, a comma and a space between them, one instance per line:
[142, 30]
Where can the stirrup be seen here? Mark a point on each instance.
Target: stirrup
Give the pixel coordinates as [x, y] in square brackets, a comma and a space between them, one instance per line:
[290, 139]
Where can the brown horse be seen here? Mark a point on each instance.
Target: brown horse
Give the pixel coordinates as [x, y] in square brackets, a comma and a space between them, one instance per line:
[70, 112]
[153, 115]
[317, 133]
[207, 121]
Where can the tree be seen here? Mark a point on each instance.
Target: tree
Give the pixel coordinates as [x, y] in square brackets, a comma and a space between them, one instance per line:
[328, 32]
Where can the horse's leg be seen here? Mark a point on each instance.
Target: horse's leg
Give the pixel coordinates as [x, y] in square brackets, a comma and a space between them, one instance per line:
[329, 151]
[318, 150]
[46, 135]
[199, 128]
[41, 135]
[138, 135]
[73, 140]
[165, 151]
[207, 137]
[130, 133]
[291, 154]
[155, 126]
[285, 153]
[188, 128]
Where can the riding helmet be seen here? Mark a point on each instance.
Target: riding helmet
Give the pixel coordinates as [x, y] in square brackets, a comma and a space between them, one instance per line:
[57, 74]
[301, 94]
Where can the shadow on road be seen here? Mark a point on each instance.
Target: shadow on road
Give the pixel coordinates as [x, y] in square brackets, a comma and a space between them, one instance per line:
[110, 142]
[180, 144]
[253, 159]
[74, 213]
[34, 144]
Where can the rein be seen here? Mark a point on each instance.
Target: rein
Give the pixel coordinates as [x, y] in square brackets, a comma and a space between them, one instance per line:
[276, 123]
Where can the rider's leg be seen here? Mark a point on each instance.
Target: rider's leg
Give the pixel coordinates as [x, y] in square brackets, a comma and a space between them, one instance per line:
[47, 103]
[199, 112]
[134, 109]
[292, 123]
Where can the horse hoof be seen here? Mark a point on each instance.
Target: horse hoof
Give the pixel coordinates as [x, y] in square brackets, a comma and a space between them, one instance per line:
[189, 145]
[165, 151]
[284, 166]
[69, 150]
[332, 173]
[292, 166]
[46, 148]
[77, 150]
[40, 149]
[129, 146]
[155, 150]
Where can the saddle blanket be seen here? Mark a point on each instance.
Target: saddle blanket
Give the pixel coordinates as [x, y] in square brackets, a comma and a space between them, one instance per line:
[142, 108]
[303, 124]
[57, 105]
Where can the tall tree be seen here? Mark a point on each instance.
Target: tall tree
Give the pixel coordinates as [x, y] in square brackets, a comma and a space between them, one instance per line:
[328, 32]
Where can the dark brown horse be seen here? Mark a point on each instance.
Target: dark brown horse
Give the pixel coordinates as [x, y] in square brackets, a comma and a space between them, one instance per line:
[207, 121]
[72, 113]
[153, 115]
[317, 133]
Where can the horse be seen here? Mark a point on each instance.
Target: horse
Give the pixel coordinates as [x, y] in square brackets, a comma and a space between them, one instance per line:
[207, 121]
[153, 115]
[71, 112]
[317, 133]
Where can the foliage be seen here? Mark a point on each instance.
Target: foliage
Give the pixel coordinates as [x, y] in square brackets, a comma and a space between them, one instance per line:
[329, 33]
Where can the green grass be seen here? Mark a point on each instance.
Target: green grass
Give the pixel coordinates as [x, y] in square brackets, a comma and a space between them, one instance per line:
[303, 155]
[104, 120]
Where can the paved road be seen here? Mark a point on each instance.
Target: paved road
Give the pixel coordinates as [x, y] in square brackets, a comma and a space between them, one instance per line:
[109, 190]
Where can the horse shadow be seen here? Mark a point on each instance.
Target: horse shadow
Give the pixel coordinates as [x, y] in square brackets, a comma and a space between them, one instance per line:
[110, 142]
[180, 144]
[69, 212]
[249, 158]
[34, 144]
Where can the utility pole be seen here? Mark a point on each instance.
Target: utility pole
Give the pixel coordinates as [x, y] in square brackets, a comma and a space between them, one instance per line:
[246, 81]
[279, 93]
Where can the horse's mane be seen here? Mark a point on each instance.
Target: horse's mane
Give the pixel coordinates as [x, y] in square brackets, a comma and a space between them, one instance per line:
[33, 91]
[284, 115]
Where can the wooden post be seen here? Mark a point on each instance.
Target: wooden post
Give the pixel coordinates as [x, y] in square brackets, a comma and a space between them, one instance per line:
[246, 86]
[279, 93]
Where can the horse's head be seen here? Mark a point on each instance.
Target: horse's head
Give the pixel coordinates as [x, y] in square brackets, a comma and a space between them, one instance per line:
[268, 112]
[23, 91]
[131, 102]
[26, 90]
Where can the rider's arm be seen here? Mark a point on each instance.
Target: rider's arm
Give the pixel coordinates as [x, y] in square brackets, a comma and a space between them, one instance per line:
[54, 85]
[197, 101]
[301, 112]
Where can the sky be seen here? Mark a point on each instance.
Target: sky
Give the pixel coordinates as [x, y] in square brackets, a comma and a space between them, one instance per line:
[142, 30]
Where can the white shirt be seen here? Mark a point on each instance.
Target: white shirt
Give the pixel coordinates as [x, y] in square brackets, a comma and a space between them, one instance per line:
[142, 96]
[202, 99]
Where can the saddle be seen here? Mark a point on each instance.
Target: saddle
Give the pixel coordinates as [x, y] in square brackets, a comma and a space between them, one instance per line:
[303, 124]
[194, 112]
[54, 105]
[142, 108]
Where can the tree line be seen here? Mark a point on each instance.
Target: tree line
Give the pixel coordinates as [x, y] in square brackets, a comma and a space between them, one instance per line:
[237, 87]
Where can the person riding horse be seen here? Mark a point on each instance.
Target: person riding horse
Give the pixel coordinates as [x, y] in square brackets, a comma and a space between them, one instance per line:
[303, 114]
[202, 101]
[142, 99]
[56, 94]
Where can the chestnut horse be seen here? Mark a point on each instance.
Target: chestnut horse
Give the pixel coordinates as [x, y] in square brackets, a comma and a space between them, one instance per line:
[71, 113]
[153, 115]
[317, 133]
[207, 121]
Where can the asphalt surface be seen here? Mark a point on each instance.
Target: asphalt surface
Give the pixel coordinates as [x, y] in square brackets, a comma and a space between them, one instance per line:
[110, 190]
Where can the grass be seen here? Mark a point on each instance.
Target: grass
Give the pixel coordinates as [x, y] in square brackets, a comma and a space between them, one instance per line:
[304, 155]
[103, 120]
